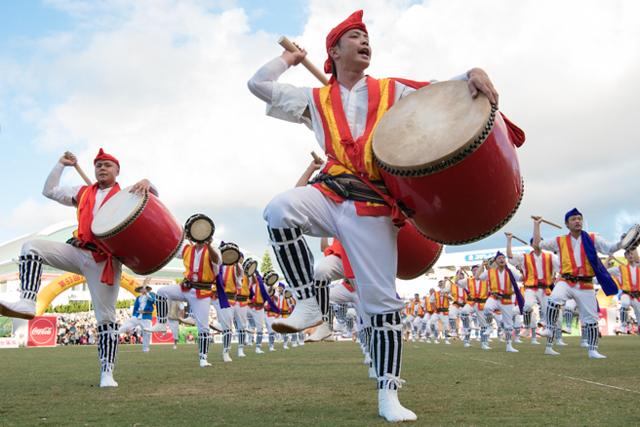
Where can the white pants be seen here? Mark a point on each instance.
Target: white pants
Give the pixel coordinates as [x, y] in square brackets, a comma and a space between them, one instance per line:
[494, 304]
[469, 310]
[240, 314]
[134, 322]
[370, 242]
[329, 268]
[174, 325]
[533, 296]
[199, 306]
[74, 260]
[570, 305]
[269, 321]
[585, 300]
[454, 311]
[224, 315]
[444, 318]
[258, 318]
[341, 295]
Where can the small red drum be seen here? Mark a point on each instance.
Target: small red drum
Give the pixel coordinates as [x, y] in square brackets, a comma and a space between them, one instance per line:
[449, 159]
[138, 230]
[416, 253]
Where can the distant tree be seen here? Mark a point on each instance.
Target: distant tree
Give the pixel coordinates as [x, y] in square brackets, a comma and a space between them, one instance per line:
[266, 264]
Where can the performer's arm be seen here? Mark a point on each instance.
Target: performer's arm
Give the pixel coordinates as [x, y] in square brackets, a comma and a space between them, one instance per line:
[605, 247]
[284, 101]
[52, 189]
[142, 186]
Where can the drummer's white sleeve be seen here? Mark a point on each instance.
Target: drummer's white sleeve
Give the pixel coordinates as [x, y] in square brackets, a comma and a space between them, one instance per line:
[284, 101]
[517, 259]
[605, 247]
[484, 275]
[52, 189]
[549, 245]
[464, 284]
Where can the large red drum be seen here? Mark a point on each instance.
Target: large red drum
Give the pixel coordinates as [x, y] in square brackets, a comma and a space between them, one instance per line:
[416, 253]
[138, 230]
[449, 158]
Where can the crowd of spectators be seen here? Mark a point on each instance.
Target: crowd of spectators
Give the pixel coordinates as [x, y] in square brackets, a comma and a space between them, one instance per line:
[80, 328]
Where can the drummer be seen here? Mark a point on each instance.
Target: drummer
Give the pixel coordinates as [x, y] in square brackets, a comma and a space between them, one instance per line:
[364, 226]
[579, 264]
[628, 277]
[201, 264]
[82, 254]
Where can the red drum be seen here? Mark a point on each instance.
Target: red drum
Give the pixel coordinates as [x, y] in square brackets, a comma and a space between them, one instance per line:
[449, 158]
[416, 253]
[138, 230]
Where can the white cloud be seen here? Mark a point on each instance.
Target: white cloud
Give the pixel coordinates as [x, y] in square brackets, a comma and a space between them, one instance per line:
[162, 84]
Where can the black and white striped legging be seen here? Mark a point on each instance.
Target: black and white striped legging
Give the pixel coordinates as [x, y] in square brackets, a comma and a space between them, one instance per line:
[107, 345]
[295, 260]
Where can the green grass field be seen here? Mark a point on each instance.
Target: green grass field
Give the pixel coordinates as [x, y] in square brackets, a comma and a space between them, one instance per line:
[322, 384]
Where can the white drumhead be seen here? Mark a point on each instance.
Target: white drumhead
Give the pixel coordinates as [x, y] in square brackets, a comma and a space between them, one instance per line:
[116, 211]
[201, 229]
[430, 125]
[631, 238]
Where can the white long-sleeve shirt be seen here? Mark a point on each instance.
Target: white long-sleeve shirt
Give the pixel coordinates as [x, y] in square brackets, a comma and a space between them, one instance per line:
[65, 195]
[288, 102]
[518, 260]
[601, 245]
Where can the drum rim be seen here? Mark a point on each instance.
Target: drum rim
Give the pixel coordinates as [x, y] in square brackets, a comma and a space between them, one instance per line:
[232, 246]
[632, 242]
[486, 233]
[167, 260]
[253, 262]
[273, 273]
[128, 221]
[194, 218]
[447, 161]
[427, 268]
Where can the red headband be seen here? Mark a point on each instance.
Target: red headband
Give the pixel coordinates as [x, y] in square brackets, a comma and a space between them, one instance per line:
[353, 21]
[104, 156]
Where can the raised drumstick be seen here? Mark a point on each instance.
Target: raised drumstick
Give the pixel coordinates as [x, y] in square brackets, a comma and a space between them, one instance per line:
[548, 222]
[518, 239]
[288, 45]
[316, 158]
[79, 170]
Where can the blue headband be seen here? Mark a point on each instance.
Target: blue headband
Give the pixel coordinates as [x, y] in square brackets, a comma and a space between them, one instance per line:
[571, 213]
[498, 254]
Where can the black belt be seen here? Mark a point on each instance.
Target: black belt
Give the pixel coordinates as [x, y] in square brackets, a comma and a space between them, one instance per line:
[195, 285]
[351, 187]
[82, 245]
[479, 299]
[442, 310]
[635, 294]
[584, 279]
[241, 298]
[504, 296]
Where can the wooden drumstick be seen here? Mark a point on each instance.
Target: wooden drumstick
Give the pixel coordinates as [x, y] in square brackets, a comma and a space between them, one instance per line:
[82, 174]
[288, 45]
[316, 158]
[548, 222]
[518, 239]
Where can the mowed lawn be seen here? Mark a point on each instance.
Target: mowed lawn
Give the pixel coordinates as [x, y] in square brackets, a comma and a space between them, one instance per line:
[322, 385]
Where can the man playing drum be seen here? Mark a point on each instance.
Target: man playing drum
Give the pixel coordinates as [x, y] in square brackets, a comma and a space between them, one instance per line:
[343, 116]
[201, 264]
[579, 264]
[501, 290]
[629, 279]
[82, 254]
[539, 270]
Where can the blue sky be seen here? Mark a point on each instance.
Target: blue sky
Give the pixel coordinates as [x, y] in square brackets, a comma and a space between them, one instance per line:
[69, 81]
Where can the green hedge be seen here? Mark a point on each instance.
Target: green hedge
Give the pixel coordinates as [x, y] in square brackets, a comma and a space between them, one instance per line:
[80, 306]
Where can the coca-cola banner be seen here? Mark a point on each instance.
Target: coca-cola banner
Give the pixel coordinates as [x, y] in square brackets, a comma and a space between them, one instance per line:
[42, 331]
[159, 338]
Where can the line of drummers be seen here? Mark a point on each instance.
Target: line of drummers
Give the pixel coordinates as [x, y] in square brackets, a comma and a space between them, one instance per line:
[474, 305]
[221, 277]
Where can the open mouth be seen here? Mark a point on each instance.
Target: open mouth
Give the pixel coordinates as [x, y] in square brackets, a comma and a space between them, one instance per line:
[364, 51]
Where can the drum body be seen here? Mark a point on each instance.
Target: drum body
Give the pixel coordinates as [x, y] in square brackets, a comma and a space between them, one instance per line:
[631, 238]
[138, 230]
[199, 228]
[271, 278]
[230, 253]
[416, 253]
[465, 188]
[250, 266]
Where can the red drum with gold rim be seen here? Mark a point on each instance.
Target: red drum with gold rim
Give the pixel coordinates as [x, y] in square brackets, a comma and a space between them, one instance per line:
[450, 159]
[138, 230]
[416, 253]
